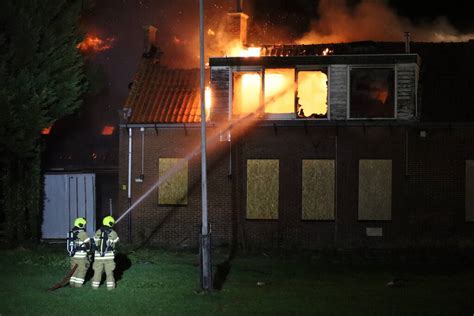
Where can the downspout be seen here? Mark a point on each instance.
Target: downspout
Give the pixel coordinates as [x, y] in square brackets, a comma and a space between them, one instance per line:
[129, 184]
[335, 192]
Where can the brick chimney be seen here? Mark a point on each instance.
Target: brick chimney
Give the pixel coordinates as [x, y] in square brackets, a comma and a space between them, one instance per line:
[150, 43]
[236, 26]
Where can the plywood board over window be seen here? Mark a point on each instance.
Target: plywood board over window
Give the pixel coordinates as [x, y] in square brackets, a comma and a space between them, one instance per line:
[318, 178]
[262, 188]
[469, 199]
[375, 189]
[174, 190]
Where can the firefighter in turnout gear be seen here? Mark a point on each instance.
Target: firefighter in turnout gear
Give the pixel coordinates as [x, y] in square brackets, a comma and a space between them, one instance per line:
[105, 240]
[78, 246]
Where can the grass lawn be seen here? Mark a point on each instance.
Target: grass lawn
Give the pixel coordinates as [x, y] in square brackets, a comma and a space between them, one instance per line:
[156, 282]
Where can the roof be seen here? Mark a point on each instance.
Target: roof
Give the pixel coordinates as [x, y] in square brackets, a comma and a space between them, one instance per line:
[163, 95]
[446, 76]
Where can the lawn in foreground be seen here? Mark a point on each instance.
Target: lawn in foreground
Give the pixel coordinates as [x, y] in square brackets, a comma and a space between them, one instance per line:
[160, 282]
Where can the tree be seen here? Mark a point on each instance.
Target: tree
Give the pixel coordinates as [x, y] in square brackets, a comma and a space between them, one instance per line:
[42, 80]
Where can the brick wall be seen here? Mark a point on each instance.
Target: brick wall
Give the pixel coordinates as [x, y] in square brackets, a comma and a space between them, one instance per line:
[427, 183]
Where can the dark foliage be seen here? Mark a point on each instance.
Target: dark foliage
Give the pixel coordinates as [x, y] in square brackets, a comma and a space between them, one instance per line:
[42, 78]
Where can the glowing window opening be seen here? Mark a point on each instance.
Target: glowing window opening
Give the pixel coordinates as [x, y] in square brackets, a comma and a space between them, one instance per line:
[312, 95]
[247, 92]
[285, 95]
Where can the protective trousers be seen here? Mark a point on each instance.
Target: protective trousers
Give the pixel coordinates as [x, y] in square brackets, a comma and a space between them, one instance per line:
[77, 279]
[99, 266]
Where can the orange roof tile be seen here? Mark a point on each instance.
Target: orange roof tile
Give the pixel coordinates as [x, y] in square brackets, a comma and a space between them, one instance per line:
[163, 95]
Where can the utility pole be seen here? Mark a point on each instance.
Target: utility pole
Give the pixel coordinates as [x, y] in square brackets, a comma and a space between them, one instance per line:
[205, 238]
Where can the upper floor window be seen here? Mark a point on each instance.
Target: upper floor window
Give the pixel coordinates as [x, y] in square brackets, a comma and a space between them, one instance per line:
[312, 94]
[280, 93]
[372, 93]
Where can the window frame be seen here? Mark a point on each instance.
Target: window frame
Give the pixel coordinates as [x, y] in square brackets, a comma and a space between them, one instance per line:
[284, 116]
[395, 89]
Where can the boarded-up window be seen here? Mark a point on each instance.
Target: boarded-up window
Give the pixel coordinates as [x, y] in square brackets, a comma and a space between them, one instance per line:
[375, 190]
[312, 94]
[318, 189]
[469, 190]
[262, 188]
[174, 189]
[372, 93]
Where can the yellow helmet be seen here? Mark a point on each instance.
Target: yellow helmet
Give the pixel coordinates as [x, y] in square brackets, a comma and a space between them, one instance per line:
[108, 221]
[80, 222]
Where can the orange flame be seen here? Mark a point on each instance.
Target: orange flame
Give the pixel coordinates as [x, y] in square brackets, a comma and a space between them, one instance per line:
[211, 32]
[238, 50]
[327, 51]
[93, 43]
[46, 130]
[208, 101]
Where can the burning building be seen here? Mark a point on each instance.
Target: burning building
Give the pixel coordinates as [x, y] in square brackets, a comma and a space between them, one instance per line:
[362, 144]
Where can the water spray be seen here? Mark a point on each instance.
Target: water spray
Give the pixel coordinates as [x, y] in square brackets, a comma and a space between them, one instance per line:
[196, 151]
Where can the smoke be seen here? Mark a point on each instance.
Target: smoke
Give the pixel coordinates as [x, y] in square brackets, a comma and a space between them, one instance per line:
[373, 20]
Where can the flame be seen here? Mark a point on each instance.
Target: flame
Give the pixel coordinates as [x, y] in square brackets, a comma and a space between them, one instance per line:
[210, 32]
[247, 90]
[327, 51]
[279, 92]
[46, 130]
[108, 130]
[92, 43]
[208, 101]
[279, 95]
[238, 50]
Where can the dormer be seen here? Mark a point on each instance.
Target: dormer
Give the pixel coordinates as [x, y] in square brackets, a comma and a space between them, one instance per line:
[316, 88]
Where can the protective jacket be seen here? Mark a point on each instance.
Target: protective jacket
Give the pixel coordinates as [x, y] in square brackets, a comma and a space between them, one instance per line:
[82, 243]
[105, 240]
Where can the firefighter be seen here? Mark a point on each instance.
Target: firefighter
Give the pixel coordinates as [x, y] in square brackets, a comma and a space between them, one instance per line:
[78, 248]
[105, 240]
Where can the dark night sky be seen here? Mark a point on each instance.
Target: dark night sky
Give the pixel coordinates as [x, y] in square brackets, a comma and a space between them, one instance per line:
[177, 23]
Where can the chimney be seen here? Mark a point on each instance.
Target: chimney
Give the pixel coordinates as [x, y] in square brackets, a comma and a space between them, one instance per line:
[236, 26]
[407, 42]
[149, 38]
[239, 6]
[150, 43]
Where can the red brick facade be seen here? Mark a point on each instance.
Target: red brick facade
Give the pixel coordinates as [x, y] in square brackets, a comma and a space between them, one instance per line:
[428, 186]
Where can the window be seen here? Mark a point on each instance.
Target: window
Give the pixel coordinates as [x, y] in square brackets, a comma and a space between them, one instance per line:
[262, 188]
[469, 198]
[375, 189]
[312, 94]
[318, 178]
[174, 190]
[372, 93]
[247, 93]
[279, 92]
[280, 96]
